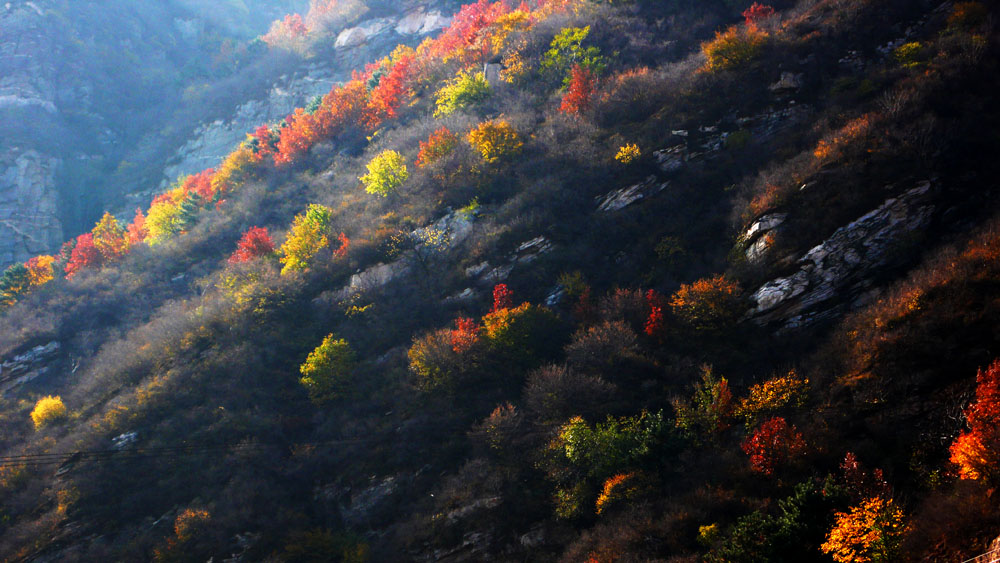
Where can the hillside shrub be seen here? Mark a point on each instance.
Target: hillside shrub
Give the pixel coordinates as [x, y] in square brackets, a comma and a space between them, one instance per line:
[386, 173]
[328, 371]
[466, 89]
[48, 410]
[734, 48]
[495, 140]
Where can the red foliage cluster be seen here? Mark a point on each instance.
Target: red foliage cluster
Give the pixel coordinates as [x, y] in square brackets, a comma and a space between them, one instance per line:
[392, 90]
[757, 13]
[264, 142]
[256, 242]
[345, 243]
[656, 322]
[465, 335]
[83, 255]
[772, 444]
[582, 86]
[137, 230]
[464, 39]
[201, 184]
[503, 298]
[292, 27]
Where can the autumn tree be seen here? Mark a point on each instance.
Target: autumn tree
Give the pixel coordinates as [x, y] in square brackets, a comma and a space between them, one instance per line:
[84, 255]
[438, 145]
[254, 243]
[869, 532]
[734, 48]
[465, 335]
[48, 410]
[15, 282]
[110, 238]
[582, 85]
[656, 323]
[40, 270]
[466, 89]
[976, 451]
[709, 410]
[329, 370]
[386, 173]
[708, 304]
[567, 51]
[757, 13]
[583, 455]
[137, 229]
[309, 234]
[770, 397]
[495, 140]
[773, 444]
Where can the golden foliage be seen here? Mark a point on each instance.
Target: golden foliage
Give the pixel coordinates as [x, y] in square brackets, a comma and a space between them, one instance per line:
[707, 304]
[870, 532]
[616, 488]
[628, 153]
[48, 410]
[495, 140]
[40, 270]
[773, 395]
[734, 48]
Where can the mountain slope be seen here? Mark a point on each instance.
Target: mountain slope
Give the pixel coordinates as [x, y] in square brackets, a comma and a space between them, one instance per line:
[640, 291]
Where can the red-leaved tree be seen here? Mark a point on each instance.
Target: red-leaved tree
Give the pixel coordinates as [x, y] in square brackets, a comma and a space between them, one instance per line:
[256, 242]
[656, 322]
[465, 335]
[345, 244]
[84, 255]
[503, 298]
[773, 444]
[757, 13]
[582, 85]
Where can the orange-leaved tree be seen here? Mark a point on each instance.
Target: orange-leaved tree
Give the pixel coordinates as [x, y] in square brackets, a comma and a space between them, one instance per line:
[582, 85]
[708, 304]
[976, 451]
[869, 532]
[254, 243]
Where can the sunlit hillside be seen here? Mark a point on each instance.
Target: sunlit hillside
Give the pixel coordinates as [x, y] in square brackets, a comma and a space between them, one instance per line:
[554, 280]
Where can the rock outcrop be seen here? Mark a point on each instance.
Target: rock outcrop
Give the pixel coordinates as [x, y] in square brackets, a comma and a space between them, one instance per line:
[24, 367]
[840, 268]
[29, 205]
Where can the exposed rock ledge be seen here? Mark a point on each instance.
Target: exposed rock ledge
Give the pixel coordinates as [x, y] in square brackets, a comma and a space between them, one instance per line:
[842, 265]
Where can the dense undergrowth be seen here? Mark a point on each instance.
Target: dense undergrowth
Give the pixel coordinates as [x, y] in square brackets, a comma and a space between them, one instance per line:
[398, 325]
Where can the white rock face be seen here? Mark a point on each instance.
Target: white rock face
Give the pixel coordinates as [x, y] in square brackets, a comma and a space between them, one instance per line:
[620, 199]
[838, 266]
[29, 214]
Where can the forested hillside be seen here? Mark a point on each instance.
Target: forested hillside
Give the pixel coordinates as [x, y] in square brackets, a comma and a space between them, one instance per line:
[567, 281]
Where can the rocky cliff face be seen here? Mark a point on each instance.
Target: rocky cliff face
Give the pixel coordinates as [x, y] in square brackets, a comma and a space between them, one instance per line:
[29, 219]
[841, 269]
[29, 207]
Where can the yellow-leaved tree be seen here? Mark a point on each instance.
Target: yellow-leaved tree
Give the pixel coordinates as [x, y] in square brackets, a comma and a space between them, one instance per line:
[48, 410]
[386, 173]
[328, 371]
[309, 234]
[495, 140]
